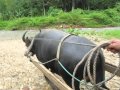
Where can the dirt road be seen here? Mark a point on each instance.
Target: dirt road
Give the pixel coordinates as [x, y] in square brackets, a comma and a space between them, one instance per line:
[16, 71]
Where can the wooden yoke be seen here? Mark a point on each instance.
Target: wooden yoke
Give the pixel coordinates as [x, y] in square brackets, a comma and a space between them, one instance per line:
[51, 77]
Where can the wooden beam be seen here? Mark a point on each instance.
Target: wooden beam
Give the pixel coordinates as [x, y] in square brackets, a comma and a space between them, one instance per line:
[51, 77]
[62, 86]
[111, 68]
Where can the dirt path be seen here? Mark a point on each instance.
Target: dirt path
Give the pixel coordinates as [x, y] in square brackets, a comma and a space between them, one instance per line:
[16, 71]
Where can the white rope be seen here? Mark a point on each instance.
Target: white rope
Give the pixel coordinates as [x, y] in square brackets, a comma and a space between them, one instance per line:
[60, 44]
[87, 67]
[87, 64]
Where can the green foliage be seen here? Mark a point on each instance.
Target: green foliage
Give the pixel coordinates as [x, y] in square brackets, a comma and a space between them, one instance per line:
[101, 18]
[81, 18]
[91, 18]
[20, 8]
[111, 34]
[113, 14]
[11, 9]
[73, 31]
[117, 7]
[75, 17]
[108, 34]
[28, 22]
[3, 24]
[102, 4]
[54, 11]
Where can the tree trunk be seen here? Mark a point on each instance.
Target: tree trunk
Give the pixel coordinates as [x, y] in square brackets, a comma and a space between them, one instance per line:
[44, 10]
[73, 5]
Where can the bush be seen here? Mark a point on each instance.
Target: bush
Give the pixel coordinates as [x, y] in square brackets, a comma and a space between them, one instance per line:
[101, 18]
[0, 16]
[113, 14]
[78, 17]
[54, 11]
[104, 33]
[3, 24]
[117, 7]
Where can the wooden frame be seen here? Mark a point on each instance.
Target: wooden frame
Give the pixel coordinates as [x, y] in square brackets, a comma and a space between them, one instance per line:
[57, 82]
[111, 68]
[52, 77]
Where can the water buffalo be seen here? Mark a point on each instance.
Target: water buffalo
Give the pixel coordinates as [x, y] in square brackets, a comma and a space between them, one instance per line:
[45, 48]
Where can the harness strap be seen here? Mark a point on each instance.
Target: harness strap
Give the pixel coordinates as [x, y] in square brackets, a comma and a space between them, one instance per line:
[60, 44]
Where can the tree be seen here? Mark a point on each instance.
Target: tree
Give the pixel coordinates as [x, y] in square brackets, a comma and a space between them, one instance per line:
[102, 4]
[73, 4]
[10, 9]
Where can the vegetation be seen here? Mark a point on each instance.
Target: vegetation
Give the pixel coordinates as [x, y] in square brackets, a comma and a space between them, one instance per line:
[108, 34]
[77, 17]
[24, 14]
[10, 9]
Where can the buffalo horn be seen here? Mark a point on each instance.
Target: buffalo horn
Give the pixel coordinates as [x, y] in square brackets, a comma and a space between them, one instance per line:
[23, 37]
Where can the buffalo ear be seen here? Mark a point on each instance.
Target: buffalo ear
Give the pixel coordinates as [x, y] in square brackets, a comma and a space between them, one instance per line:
[27, 41]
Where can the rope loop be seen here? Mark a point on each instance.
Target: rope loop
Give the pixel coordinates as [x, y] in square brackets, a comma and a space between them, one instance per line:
[89, 55]
[87, 64]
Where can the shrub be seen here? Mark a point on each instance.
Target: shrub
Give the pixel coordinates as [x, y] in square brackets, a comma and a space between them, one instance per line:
[117, 7]
[54, 11]
[101, 18]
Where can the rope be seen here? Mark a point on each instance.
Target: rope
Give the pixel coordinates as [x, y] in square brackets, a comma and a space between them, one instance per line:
[30, 59]
[60, 44]
[68, 71]
[87, 64]
[87, 67]
[33, 39]
[118, 67]
[65, 42]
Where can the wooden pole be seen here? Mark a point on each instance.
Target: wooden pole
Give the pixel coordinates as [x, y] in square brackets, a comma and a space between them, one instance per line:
[62, 86]
[111, 68]
[51, 77]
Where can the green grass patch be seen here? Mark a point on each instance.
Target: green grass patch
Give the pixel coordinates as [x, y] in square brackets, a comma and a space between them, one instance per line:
[81, 18]
[107, 34]
[27, 23]
[110, 34]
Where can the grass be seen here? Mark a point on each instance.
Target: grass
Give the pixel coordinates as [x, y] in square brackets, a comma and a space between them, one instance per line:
[110, 34]
[78, 17]
[27, 22]
[107, 34]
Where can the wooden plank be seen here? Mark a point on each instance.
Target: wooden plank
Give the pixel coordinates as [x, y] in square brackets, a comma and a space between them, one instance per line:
[111, 68]
[51, 77]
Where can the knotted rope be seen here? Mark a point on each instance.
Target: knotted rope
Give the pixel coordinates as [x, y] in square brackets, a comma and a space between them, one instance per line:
[87, 67]
[87, 64]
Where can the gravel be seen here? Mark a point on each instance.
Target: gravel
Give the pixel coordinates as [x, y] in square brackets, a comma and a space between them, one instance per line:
[16, 71]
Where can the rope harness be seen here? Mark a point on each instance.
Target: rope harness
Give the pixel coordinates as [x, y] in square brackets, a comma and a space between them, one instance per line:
[87, 64]
[87, 67]
[60, 44]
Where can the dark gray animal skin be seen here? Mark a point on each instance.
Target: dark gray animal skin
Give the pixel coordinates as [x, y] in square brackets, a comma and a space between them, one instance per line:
[45, 48]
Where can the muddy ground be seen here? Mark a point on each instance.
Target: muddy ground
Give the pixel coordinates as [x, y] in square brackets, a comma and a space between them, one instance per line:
[16, 71]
